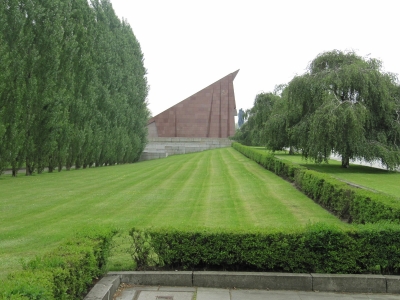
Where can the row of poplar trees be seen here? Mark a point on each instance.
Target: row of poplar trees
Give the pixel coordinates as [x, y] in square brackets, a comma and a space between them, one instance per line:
[73, 86]
[344, 104]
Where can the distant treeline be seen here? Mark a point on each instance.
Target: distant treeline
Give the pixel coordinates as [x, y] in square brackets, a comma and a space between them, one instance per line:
[344, 104]
[72, 86]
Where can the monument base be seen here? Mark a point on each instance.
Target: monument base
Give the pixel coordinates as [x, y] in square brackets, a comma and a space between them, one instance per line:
[165, 146]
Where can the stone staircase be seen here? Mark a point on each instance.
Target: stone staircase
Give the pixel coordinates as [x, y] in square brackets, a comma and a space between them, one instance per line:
[161, 147]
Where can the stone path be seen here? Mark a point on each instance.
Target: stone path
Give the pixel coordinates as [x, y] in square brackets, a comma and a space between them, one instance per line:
[191, 293]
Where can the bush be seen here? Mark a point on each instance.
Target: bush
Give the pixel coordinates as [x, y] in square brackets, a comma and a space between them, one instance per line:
[318, 248]
[142, 251]
[346, 202]
[28, 285]
[64, 273]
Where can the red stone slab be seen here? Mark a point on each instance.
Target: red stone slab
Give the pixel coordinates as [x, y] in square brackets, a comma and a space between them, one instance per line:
[208, 113]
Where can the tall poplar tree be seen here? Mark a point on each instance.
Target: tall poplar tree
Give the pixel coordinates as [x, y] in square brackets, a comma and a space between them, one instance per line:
[73, 86]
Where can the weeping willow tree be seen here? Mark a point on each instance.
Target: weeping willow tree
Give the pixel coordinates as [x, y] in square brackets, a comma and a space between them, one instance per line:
[347, 105]
[252, 132]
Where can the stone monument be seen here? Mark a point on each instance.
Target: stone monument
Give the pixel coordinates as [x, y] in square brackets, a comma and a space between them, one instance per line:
[210, 113]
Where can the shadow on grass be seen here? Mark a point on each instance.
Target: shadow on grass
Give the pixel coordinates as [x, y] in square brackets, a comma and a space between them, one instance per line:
[333, 166]
[353, 169]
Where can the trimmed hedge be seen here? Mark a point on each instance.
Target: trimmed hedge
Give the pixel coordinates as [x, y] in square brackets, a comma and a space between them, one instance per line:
[64, 273]
[319, 248]
[346, 202]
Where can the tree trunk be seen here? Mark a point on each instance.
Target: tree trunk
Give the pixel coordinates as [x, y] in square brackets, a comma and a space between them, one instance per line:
[291, 151]
[345, 161]
[14, 167]
[40, 169]
[29, 168]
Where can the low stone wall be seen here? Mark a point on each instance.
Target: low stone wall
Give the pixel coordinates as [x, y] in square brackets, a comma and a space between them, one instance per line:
[164, 147]
[339, 283]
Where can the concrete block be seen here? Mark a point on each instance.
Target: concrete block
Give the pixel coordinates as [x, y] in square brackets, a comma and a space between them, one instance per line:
[156, 278]
[253, 280]
[392, 284]
[104, 289]
[349, 283]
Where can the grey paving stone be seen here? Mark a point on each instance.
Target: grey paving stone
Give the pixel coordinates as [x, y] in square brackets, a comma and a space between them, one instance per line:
[146, 288]
[213, 294]
[262, 294]
[157, 295]
[324, 296]
[177, 288]
[375, 297]
[127, 294]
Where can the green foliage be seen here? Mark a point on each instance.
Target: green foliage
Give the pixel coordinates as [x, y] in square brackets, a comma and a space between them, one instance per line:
[72, 87]
[318, 248]
[28, 285]
[380, 245]
[253, 131]
[345, 104]
[142, 251]
[64, 273]
[346, 202]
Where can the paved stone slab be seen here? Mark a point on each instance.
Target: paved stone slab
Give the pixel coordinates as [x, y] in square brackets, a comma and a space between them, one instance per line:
[293, 295]
[323, 296]
[262, 294]
[177, 288]
[213, 294]
[127, 294]
[253, 280]
[164, 295]
[349, 283]
[146, 288]
[372, 297]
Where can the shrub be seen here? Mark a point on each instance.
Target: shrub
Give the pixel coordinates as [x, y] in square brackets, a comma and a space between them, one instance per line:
[318, 248]
[64, 273]
[142, 251]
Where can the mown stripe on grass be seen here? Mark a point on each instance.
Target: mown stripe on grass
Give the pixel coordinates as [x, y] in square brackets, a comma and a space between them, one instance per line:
[262, 195]
[282, 197]
[215, 189]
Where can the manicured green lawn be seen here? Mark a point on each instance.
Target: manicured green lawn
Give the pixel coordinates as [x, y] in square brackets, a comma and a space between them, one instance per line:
[212, 189]
[373, 178]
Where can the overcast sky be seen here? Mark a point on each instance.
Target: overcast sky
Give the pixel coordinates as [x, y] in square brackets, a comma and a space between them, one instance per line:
[190, 44]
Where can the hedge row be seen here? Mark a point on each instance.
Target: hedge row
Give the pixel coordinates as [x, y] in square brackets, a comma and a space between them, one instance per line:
[346, 202]
[319, 248]
[65, 273]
